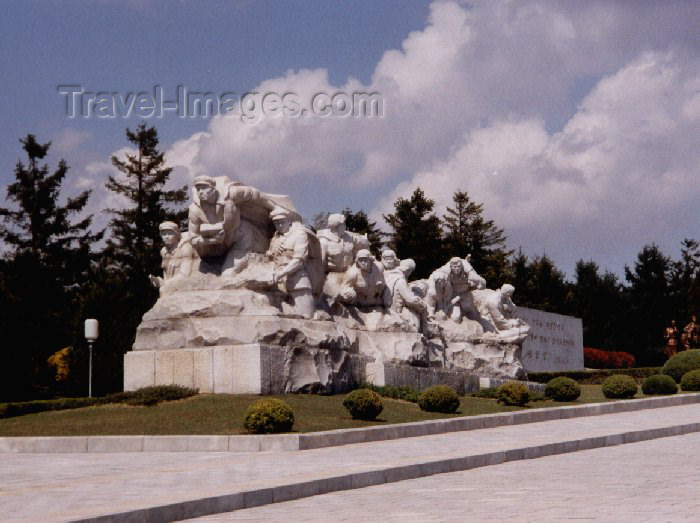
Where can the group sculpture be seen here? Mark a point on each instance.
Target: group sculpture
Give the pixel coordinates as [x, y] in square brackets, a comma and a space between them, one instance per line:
[247, 254]
[688, 339]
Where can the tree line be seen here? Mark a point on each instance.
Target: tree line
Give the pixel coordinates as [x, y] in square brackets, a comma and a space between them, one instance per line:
[55, 271]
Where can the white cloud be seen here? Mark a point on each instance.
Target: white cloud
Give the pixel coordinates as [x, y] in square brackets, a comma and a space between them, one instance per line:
[489, 98]
[621, 173]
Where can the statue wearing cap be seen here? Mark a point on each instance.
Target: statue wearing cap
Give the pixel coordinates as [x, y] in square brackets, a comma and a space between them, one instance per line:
[177, 255]
[338, 250]
[363, 283]
[296, 255]
[212, 223]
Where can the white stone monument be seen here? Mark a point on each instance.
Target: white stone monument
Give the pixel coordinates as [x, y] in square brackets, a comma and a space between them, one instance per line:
[555, 342]
[245, 307]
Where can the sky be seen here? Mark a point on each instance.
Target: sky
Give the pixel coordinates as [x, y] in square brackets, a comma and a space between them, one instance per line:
[576, 124]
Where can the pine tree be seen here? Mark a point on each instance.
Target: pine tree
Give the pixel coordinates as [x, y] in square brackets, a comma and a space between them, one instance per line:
[539, 284]
[48, 257]
[650, 303]
[416, 233]
[597, 300]
[121, 291]
[686, 281]
[359, 222]
[467, 232]
[135, 240]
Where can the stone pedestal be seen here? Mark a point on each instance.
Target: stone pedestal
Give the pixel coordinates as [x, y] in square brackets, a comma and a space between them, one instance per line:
[246, 369]
[241, 369]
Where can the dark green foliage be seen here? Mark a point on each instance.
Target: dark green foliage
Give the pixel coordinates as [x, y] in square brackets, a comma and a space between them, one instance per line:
[690, 382]
[685, 281]
[562, 389]
[150, 395]
[359, 222]
[42, 273]
[650, 300]
[513, 393]
[135, 239]
[619, 386]
[593, 377]
[363, 404]
[659, 384]
[268, 416]
[681, 363]
[439, 398]
[599, 302]
[145, 396]
[397, 393]
[486, 392]
[539, 284]
[10, 410]
[468, 232]
[416, 233]
[120, 291]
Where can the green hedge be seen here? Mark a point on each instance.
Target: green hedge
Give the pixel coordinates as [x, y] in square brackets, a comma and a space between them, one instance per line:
[595, 376]
[147, 396]
[397, 393]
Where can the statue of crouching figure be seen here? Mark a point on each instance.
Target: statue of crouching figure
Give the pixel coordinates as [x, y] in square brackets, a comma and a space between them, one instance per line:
[450, 291]
[338, 249]
[363, 284]
[498, 312]
[296, 257]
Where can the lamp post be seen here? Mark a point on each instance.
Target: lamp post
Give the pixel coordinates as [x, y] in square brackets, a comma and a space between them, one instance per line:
[91, 334]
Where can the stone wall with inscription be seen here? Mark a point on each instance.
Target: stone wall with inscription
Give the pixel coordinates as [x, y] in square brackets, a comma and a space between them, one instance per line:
[555, 341]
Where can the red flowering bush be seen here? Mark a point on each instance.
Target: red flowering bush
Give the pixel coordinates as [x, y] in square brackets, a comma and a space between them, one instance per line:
[604, 359]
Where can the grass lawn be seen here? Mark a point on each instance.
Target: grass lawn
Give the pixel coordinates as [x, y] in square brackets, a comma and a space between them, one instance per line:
[223, 414]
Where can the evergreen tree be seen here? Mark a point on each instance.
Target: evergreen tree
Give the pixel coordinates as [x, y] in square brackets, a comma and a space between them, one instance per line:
[135, 239]
[121, 291]
[686, 282]
[359, 222]
[597, 300]
[416, 233]
[48, 257]
[650, 303]
[467, 232]
[539, 284]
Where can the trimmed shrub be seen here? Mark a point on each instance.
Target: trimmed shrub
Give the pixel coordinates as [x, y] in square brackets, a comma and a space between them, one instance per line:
[680, 363]
[268, 416]
[514, 394]
[690, 382]
[363, 404]
[439, 398]
[659, 384]
[562, 389]
[619, 386]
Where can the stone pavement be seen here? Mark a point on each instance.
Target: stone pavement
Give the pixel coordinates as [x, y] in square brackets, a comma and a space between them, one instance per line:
[170, 486]
[654, 480]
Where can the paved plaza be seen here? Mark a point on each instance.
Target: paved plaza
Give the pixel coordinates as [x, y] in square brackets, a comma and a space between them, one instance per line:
[648, 481]
[165, 485]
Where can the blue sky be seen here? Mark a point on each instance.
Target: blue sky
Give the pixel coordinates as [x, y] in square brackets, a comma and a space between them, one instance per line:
[575, 123]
